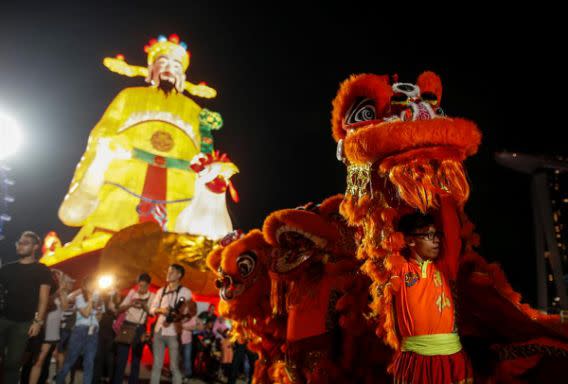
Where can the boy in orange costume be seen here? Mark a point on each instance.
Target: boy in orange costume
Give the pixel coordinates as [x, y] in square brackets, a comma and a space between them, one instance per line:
[431, 351]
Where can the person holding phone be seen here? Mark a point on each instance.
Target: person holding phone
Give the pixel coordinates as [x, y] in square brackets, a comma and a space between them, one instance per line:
[135, 306]
[84, 337]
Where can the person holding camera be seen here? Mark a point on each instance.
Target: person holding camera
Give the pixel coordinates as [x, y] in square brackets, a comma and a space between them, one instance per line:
[171, 306]
[135, 308]
[84, 336]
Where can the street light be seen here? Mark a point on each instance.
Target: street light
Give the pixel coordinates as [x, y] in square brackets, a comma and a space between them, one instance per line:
[10, 140]
[10, 136]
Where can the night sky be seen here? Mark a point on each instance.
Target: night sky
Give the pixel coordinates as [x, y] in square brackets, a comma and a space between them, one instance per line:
[277, 68]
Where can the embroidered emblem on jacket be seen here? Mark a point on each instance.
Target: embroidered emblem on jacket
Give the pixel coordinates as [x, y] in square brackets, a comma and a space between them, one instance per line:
[411, 278]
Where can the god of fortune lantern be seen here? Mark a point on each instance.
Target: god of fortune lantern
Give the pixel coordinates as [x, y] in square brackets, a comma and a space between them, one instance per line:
[137, 164]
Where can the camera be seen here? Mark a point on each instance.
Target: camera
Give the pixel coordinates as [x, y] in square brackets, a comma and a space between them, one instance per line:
[139, 303]
[173, 312]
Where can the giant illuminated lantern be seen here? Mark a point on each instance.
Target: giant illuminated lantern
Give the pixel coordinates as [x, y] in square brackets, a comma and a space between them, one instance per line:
[150, 158]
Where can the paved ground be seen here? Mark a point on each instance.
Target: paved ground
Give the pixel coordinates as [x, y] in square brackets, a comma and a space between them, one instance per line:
[145, 377]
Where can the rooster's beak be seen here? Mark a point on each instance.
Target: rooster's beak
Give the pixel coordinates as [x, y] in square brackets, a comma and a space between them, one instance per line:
[227, 170]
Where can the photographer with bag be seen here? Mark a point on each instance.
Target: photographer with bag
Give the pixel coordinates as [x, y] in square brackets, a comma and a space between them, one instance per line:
[170, 305]
[130, 326]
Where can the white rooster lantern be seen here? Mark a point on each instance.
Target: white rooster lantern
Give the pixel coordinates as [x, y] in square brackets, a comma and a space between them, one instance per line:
[207, 215]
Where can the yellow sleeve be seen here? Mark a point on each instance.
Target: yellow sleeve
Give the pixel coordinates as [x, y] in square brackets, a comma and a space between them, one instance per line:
[107, 126]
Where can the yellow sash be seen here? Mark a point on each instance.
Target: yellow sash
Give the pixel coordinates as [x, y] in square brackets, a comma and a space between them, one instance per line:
[432, 345]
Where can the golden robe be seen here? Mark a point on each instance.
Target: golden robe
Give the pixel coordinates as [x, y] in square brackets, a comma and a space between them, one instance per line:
[160, 131]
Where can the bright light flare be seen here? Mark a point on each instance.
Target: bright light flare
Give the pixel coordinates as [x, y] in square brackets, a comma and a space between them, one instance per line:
[10, 136]
[105, 281]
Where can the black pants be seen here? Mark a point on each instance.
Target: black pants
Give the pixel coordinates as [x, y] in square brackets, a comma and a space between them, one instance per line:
[104, 361]
[121, 361]
[13, 337]
[238, 360]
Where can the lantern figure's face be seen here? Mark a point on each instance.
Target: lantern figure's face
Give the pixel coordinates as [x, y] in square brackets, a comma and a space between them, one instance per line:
[167, 71]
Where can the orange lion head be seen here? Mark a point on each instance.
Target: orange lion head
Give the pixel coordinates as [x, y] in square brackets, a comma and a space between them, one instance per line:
[306, 235]
[242, 276]
[400, 132]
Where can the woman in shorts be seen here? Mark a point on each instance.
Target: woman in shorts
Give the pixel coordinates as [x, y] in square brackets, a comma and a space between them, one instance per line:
[40, 369]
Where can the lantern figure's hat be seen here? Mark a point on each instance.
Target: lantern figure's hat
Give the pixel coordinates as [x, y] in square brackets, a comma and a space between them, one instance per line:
[170, 46]
[155, 48]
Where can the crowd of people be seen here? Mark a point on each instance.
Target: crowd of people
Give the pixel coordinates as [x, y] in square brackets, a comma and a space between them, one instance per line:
[99, 329]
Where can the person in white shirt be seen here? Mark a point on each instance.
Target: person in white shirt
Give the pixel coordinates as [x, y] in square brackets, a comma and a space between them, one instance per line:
[169, 303]
[134, 308]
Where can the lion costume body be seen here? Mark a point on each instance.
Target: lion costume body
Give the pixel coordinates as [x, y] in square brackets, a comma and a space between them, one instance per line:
[325, 296]
[298, 298]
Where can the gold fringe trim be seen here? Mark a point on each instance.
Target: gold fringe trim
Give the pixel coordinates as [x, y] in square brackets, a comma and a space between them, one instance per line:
[420, 182]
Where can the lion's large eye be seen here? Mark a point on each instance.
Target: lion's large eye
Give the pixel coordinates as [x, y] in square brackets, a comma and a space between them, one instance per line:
[246, 263]
[363, 109]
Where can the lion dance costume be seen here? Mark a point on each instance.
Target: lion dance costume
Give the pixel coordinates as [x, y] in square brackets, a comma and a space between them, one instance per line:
[241, 263]
[404, 154]
[305, 287]
[324, 297]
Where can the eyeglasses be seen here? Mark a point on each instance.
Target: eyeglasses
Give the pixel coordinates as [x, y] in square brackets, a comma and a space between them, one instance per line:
[19, 242]
[429, 235]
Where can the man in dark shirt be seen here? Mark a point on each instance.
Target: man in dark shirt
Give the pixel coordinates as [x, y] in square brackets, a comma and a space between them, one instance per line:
[208, 316]
[26, 284]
